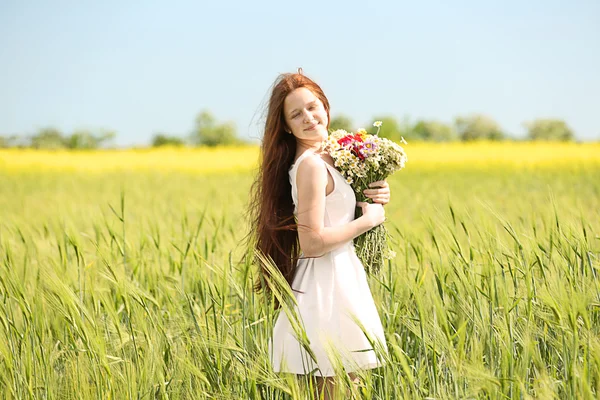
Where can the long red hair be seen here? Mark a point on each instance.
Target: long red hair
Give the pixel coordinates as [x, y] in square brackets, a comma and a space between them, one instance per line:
[273, 230]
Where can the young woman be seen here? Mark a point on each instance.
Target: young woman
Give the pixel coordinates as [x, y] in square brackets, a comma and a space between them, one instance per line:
[303, 219]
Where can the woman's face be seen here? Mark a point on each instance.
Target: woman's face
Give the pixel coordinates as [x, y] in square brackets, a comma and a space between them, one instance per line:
[305, 116]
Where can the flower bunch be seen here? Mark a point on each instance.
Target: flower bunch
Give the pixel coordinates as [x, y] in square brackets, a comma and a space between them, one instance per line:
[363, 158]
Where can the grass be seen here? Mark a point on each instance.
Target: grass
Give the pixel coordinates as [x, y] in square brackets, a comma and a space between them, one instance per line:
[121, 280]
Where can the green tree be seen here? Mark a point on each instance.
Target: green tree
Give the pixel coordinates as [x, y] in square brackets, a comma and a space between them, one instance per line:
[6, 142]
[14, 141]
[48, 138]
[390, 128]
[549, 129]
[161, 139]
[478, 127]
[84, 139]
[340, 122]
[434, 131]
[393, 129]
[208, 132]
[105, 137]
[81, 139]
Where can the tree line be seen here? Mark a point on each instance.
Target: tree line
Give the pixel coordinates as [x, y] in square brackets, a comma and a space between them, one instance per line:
[465, 128]
[52, 138]
[208, 131]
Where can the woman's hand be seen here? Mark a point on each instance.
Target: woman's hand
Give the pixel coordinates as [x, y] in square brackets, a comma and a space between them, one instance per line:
[374, 213]
[380, 192]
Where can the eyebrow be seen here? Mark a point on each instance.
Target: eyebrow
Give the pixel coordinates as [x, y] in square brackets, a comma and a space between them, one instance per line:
[308, 104]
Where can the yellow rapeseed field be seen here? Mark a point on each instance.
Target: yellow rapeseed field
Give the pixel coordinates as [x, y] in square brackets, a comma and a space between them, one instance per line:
[245, 158]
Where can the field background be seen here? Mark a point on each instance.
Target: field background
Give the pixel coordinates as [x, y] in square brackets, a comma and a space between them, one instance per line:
[120, 276]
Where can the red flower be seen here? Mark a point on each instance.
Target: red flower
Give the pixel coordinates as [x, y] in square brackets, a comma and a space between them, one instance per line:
[357, 137]
[346, 140]
[350, 139]
[356, 149]
[355, 143]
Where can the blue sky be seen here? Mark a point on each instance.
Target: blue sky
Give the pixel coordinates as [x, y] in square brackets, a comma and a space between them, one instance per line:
[140, 67]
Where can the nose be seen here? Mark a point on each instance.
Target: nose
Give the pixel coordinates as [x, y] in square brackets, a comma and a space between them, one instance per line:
[307, 117]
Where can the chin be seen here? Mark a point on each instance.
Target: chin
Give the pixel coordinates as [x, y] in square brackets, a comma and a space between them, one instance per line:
[322, 128]
[318, 134]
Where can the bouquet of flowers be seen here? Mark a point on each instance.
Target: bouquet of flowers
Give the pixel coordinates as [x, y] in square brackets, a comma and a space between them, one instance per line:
[363, 158]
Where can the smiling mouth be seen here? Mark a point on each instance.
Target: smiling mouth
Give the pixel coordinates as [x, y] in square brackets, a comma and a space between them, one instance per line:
[311, 128]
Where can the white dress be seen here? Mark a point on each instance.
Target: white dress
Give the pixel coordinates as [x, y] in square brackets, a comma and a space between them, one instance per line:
[332, 293]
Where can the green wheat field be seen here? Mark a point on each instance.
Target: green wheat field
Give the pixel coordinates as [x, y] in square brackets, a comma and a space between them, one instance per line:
[129, 282]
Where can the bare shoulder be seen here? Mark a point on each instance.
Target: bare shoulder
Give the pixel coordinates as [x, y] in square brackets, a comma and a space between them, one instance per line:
[312, 170]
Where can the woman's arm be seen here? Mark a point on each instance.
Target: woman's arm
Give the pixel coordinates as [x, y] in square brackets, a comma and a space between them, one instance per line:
[315, 238]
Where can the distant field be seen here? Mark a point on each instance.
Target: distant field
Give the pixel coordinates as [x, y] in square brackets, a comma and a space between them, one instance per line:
[245, 158]
[120, 276]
